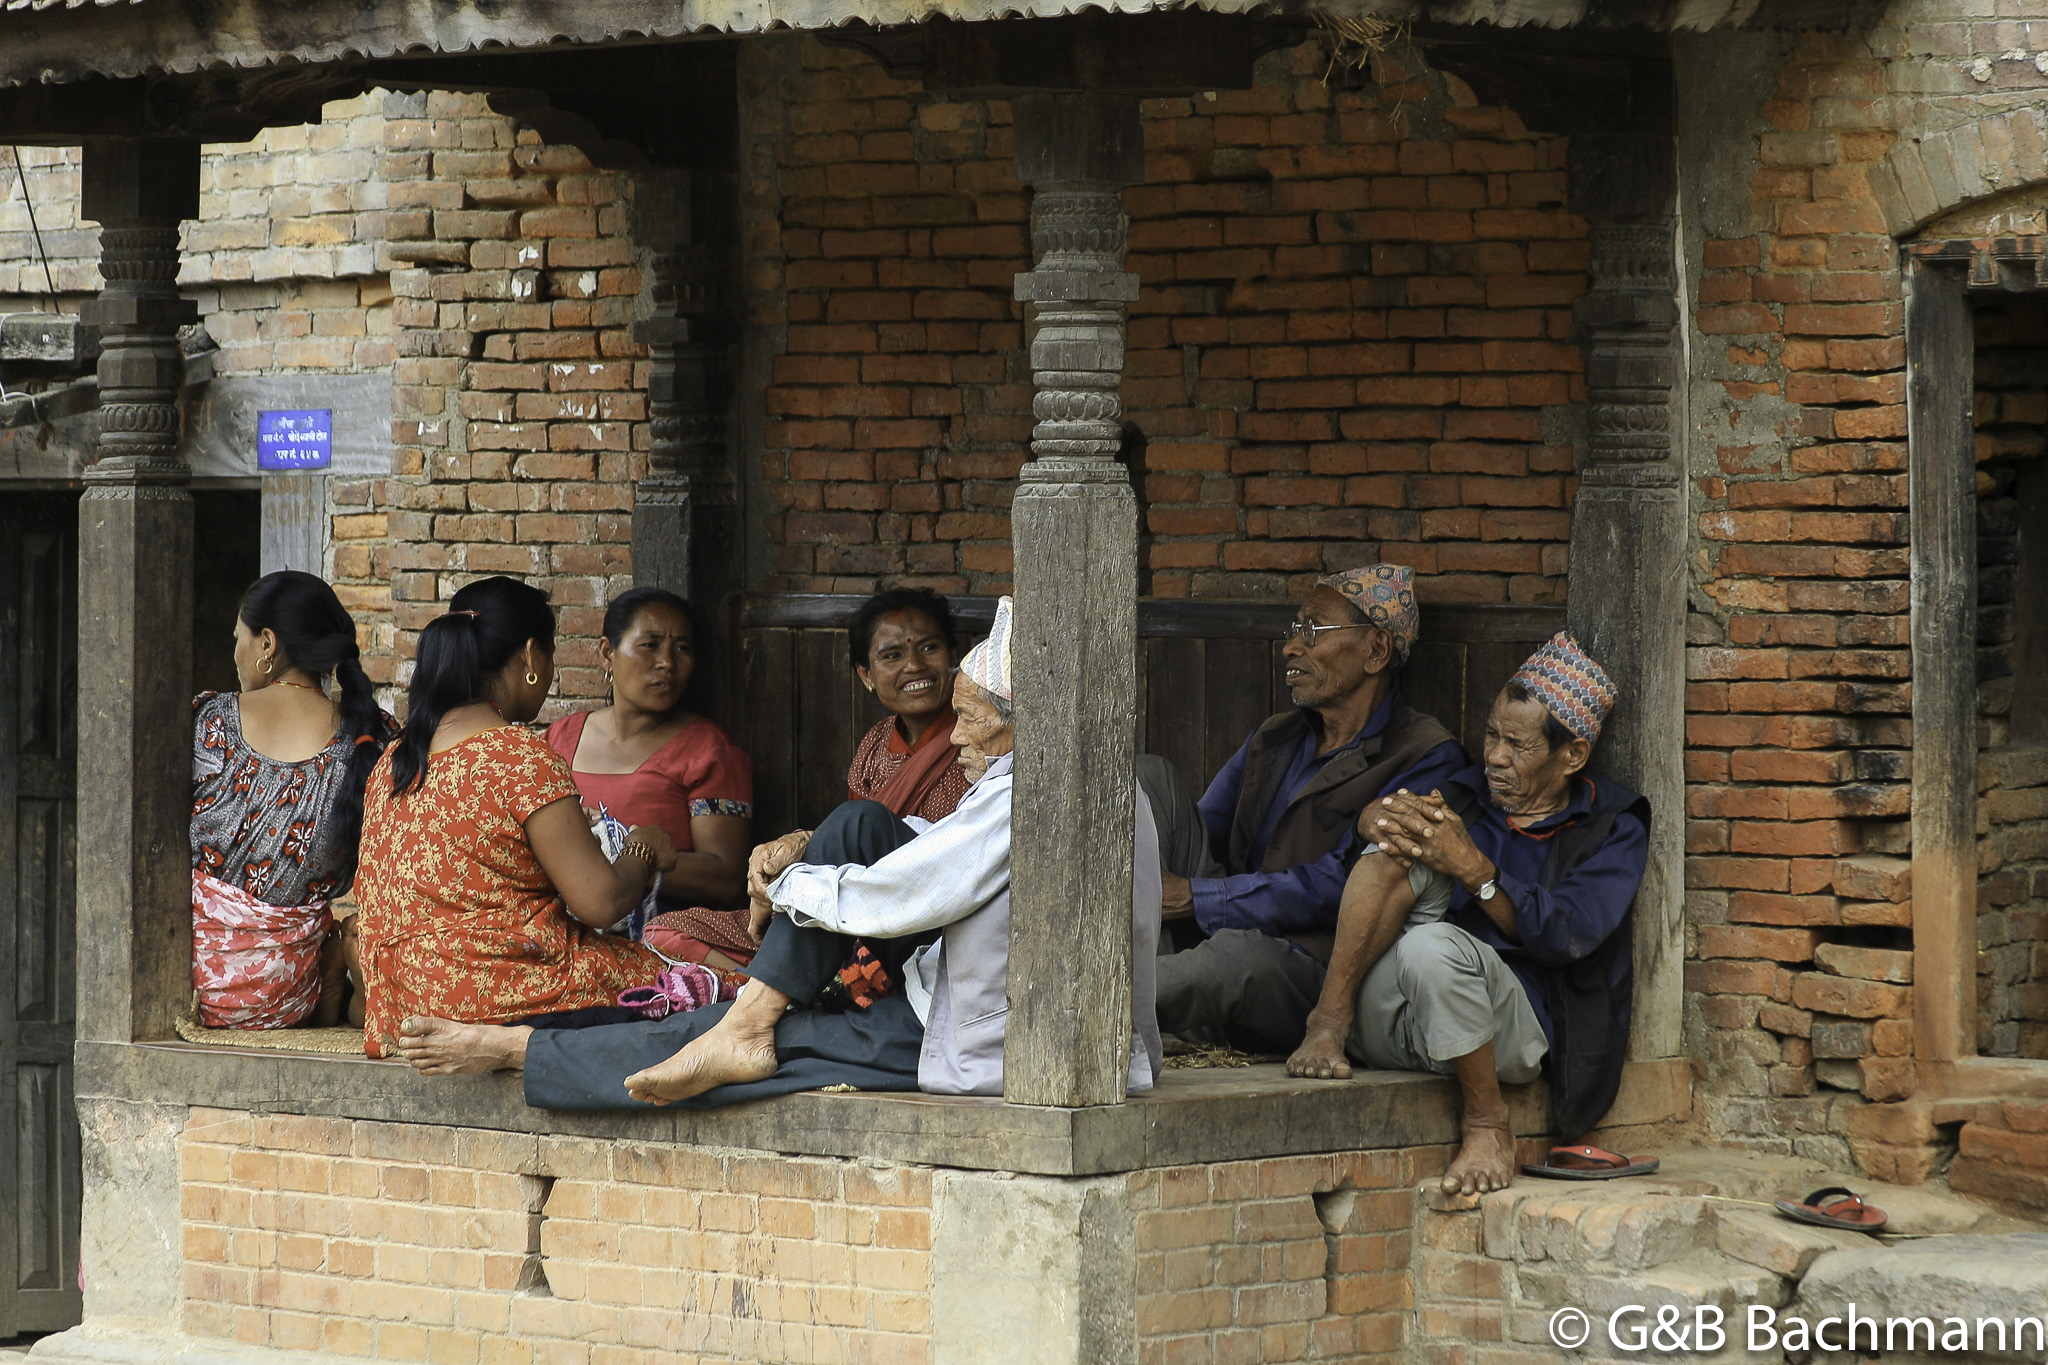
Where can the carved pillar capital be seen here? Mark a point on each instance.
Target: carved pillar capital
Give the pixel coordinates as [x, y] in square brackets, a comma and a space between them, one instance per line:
[139, 193]
[1630, 312]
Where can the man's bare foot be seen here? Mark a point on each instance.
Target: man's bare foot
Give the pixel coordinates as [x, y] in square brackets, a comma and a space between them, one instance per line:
[441, 1047]
[1321, 1054]
[738, 1048]
[1485, 1162]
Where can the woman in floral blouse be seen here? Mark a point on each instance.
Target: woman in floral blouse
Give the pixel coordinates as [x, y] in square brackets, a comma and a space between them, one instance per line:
[277, 800]
[482, 888]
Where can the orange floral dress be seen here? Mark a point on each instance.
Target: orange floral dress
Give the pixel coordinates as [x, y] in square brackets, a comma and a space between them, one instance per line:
[458, 919]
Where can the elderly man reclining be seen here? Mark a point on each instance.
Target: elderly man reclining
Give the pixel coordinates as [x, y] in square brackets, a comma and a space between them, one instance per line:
[1254, 906]
[1504, 897]
[932, 908]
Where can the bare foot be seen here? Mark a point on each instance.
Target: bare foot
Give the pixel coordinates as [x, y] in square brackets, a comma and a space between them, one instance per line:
[441, 1047]
[738, 1048]
[1485, 1162]
[1321, 1054]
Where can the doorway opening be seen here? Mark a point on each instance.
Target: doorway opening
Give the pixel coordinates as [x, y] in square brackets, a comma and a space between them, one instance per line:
[2011, 457]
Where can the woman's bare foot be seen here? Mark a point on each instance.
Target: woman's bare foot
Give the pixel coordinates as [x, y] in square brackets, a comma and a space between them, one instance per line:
[738, 1048]
[441, 1047]
[1321, 1054]
[1485, 1162]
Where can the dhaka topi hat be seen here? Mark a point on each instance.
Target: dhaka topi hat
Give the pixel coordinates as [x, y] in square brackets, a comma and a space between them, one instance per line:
[1570, 685]
[1386, 594]
[987, 665]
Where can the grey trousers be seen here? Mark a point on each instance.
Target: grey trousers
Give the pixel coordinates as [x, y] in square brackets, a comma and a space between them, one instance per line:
[1438, 994]
[1241, 988]
[1254, 991]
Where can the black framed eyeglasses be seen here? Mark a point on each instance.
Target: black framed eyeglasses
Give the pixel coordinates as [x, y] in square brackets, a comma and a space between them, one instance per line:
[1308, 631]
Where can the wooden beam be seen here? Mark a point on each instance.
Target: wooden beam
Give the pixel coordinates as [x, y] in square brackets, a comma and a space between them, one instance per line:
[135, 607]
[1075, 530]
[1942, 502]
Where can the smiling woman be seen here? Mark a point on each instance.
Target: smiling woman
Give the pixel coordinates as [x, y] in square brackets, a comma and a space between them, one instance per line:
[904, 648]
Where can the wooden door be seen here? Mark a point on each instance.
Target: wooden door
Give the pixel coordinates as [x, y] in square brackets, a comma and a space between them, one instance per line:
[39, 1175]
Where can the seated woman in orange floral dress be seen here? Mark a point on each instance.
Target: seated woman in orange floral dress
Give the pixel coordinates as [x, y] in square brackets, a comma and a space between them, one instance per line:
[482, 888]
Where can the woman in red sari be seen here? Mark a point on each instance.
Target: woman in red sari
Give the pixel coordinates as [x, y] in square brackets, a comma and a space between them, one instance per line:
[904, 650]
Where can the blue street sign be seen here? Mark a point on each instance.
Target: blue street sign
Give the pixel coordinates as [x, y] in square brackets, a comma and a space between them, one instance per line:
[295, 439]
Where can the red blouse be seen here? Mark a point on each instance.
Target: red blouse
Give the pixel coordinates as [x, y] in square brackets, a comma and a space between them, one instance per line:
[699, 772]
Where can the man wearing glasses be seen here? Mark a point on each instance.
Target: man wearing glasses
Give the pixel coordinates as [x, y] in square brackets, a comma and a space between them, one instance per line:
[1281, 818]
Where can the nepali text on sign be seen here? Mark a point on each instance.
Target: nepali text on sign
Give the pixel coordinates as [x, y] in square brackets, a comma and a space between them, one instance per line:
[295, 439]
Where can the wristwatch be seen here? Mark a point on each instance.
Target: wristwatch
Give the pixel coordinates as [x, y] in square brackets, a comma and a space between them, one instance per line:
[1488, 889]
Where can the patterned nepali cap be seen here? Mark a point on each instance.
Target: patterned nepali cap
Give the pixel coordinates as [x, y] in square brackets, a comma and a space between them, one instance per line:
[987, 665]
[1570, 685]
[1386, 594]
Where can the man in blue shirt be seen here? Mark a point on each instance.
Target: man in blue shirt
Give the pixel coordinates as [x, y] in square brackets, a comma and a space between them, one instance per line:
[1279, 819]
[1485, 934]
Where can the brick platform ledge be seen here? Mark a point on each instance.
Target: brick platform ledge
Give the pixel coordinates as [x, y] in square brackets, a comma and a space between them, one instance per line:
[1231, 1114]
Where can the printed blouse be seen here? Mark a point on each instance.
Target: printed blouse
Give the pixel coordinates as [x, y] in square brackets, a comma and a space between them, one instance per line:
[459, 919]
[259, 823]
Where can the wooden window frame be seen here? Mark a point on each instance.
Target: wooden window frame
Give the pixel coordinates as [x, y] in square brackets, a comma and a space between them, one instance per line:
[1942, 510]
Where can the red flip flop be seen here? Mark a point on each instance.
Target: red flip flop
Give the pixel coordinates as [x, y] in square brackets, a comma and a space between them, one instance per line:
[1849, 1212]
[1589, 1163]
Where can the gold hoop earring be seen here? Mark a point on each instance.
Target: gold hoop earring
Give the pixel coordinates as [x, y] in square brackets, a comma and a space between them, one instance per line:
[531, 677]
[266, 668]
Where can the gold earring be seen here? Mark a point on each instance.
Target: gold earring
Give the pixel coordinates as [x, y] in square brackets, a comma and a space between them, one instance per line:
[266, 668]
[531, 677]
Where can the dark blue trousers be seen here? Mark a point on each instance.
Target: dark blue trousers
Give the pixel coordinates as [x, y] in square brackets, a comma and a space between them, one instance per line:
[875, 1048]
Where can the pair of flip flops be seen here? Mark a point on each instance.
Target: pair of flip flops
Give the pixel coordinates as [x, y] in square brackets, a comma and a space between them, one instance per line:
[1588, 1163]
[1836, 1206]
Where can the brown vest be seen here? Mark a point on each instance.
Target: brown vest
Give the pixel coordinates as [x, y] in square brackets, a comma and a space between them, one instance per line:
[1316, 821]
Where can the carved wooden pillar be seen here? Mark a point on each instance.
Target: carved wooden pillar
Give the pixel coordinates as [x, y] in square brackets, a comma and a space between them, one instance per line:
[135, 608]
[685, 512]
[1074, 526]
[1627, 597]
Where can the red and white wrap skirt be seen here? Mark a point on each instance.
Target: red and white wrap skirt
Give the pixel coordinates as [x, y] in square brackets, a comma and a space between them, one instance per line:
[254, 965]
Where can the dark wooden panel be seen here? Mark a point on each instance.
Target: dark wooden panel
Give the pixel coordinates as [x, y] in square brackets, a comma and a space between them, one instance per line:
[1175, 706]
[43, 700]
[39, 860]
[766, 725]
[1434, 682]
[39, 1172]
[1208, 675]
[39, 1183]
[825, 733]
[1239, 684]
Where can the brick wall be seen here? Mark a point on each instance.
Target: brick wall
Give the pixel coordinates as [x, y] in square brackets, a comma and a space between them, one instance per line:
[1353, 341]
[405, 1242]
[282, 259]
[519, 403]
[1798, 700]
[1294, 1258]
[402, 1242]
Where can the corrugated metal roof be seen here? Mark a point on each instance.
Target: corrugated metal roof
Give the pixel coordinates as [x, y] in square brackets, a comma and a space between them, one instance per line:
[67, 40]
[64, 4]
